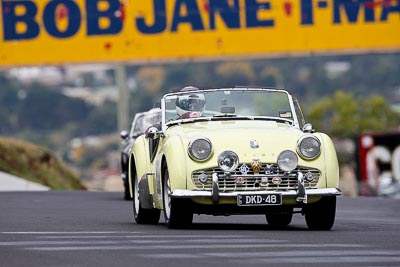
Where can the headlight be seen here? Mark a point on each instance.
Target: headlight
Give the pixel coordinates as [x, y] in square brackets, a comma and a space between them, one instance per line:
[309, 147]
[287, 160]
[200, 149]
[228, 161]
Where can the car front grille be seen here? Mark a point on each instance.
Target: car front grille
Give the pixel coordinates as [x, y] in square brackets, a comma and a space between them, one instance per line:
[261, 180]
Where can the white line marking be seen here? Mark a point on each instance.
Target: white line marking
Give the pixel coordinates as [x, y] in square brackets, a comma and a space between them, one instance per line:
[169, 239]
[52, 243]
[336, 259]
[316, 253]
[183, 247]
[67, 233]
[158, 237]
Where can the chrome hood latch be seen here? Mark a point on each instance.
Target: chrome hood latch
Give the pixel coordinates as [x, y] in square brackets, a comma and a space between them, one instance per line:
[301, 190]
[215, 188]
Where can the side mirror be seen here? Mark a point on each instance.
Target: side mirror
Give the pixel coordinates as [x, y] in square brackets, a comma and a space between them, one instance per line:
[308, 128]
[124, 135]
[152, 133]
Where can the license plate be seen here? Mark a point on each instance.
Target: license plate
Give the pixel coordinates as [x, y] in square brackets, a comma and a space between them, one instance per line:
[259, 199]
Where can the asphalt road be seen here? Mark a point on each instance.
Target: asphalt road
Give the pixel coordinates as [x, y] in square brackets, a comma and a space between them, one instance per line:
[96, 229]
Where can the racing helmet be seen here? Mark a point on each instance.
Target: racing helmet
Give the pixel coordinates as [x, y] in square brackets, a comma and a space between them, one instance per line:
[190, 103]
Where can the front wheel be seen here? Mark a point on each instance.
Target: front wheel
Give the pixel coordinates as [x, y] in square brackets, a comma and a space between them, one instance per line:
[141, 215]
[125, 178]
[321, 215]
[280, 219]
[177, 212]
[127, 194]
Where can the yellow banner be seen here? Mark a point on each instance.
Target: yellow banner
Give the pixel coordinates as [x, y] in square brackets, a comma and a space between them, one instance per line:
[67, 31]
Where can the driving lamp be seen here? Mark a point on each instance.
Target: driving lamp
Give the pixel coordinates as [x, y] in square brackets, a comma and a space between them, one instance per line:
[287, 160]
[228, 161]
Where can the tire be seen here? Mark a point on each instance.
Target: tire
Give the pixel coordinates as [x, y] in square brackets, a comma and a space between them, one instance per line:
[321, 215]
[127, 194]
[141, 215]
[279, 219]
[124, 171]
[177, 212]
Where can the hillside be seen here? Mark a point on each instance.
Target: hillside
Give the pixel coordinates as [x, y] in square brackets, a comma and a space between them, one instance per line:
[36, 164]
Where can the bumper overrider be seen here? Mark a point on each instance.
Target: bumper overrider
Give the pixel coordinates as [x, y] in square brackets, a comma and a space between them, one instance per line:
[300, 194]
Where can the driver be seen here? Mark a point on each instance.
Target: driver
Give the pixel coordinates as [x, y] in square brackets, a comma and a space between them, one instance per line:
[190, 105]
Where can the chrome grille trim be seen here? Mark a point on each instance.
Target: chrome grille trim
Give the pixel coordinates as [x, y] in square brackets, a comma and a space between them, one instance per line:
[254, 181]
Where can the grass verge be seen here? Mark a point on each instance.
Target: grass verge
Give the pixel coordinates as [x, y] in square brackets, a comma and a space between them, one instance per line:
[36, 164]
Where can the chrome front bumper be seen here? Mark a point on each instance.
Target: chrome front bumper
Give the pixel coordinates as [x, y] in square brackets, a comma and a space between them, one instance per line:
[301, 194]
[320, 192]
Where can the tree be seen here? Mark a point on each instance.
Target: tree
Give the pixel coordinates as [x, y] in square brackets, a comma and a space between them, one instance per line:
[151, 78]
[377, 115]
[236, 73]
[343, 115]
[101, 120]
[47, 109]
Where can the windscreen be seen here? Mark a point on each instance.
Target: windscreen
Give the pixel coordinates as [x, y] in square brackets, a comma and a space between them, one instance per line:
[200, 104]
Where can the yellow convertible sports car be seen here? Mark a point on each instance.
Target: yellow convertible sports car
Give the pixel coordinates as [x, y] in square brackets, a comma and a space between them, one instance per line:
[242, 150]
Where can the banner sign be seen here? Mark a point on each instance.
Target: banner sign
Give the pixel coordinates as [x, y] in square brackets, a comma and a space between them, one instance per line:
[379, 164]
[74, 31]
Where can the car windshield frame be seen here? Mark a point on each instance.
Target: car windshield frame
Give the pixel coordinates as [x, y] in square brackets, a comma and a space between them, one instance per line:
[288, 113]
